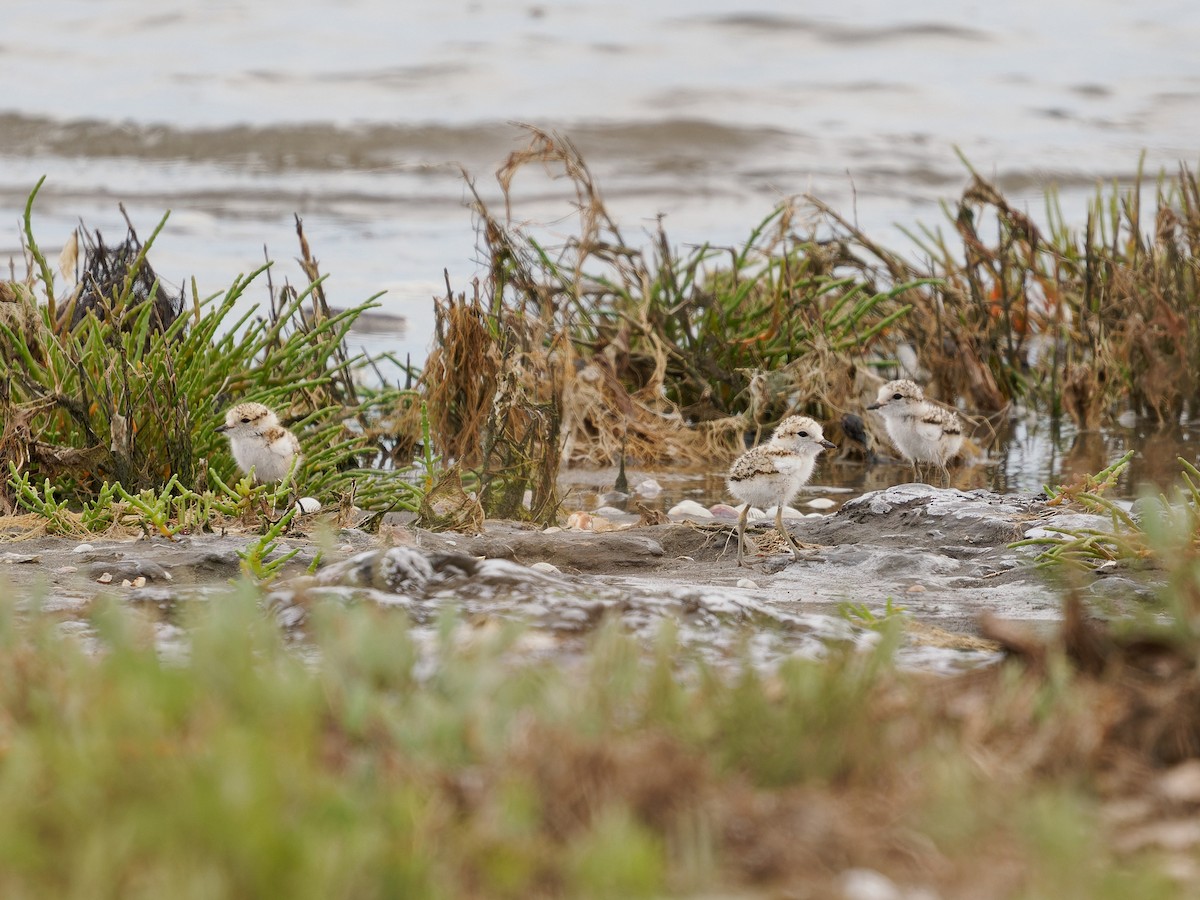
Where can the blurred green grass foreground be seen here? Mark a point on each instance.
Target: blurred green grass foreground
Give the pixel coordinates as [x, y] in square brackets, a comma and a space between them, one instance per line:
[363, 762]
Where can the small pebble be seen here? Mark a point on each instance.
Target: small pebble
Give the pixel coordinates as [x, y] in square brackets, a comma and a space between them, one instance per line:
[867, 884]
[916, 589]
[106, 578]
[747, 583]
[125, 582]
[1181, 783]
[140, 581]
[546, 568]
[84, 548]
[553, 529]
[66, 570]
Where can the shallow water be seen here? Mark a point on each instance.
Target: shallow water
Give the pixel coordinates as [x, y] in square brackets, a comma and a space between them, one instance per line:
[1033, 455]
[358, 115]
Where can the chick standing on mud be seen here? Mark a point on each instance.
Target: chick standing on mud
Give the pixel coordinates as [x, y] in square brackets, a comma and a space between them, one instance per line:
[259, 443]
[773, 473]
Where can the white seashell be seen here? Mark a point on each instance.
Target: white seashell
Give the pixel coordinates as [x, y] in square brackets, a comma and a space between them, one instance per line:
[546, 568]
[306, 506]
[609, 511]
[820, 503]
[724, 511]
[648, 489]
[689, 509]
[84, 548]
[747, 583]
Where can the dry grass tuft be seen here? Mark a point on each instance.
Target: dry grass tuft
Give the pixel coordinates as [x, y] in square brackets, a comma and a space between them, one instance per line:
[810, 313]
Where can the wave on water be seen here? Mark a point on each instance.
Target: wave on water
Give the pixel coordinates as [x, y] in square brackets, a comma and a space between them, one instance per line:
[322, 146]
[843, 33]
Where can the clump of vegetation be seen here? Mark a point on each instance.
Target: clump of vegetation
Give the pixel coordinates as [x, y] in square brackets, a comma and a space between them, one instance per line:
[1072, 321]
[669, 357]
[1161, 533]
[593, 351]
[121, 385]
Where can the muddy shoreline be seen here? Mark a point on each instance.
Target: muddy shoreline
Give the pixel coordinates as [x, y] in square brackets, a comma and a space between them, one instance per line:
[940, 556]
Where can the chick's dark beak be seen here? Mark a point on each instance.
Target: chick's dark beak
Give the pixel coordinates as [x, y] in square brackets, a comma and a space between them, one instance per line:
[875, 406]
[828, 445]
[221, 428]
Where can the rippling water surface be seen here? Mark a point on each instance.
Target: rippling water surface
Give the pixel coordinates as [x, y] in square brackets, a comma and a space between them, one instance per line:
[359, 115]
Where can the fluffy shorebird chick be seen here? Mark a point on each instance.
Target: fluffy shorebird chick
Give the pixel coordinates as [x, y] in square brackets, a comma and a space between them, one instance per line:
[772, 473]
[922, 431]
[259, 443]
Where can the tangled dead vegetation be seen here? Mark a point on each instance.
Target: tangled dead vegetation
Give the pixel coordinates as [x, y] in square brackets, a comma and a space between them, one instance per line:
[950, 785]
[667, 357]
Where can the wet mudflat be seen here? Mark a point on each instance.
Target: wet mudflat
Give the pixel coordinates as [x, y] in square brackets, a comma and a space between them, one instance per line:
[939, 558]
[862, 751]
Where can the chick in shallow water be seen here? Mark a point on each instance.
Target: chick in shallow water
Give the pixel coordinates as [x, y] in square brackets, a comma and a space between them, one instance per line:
[922, 431]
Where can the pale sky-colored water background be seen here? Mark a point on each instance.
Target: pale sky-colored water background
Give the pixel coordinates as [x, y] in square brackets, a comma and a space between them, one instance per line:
[356, 115]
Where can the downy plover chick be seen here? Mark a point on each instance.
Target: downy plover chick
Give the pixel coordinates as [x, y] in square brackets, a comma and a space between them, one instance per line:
[772, 473]
[259, 442]
[922, 431]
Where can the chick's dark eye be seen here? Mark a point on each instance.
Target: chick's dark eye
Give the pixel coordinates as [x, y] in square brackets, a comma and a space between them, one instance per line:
[246, 420]
[897, 396]
[804, 434]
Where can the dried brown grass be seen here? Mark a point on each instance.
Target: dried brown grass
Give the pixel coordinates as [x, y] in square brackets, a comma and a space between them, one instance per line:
[941, 799]
[668, 359]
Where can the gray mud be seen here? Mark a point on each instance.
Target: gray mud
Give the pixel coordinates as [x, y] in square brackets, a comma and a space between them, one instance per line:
[942, 556]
